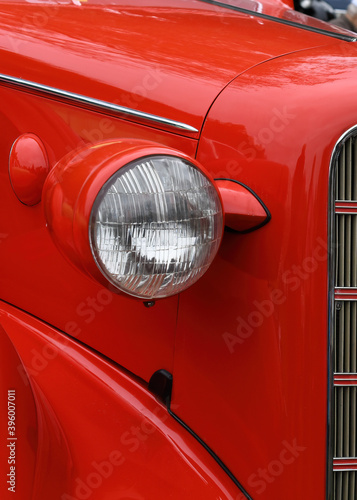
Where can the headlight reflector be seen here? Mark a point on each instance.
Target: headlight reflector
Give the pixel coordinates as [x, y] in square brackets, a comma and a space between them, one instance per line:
[156, 226]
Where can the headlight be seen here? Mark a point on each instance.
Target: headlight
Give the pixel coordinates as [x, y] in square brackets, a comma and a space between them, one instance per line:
[156, 226]
[152, 227]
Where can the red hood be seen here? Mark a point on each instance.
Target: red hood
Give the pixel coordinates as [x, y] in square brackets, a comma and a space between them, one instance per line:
[147, 55]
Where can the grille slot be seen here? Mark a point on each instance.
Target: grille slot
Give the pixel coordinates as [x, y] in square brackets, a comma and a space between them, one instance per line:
[345, 485]
[345, 422]
[346, 182]
[346, 258]
[345, 338]
[343, 433]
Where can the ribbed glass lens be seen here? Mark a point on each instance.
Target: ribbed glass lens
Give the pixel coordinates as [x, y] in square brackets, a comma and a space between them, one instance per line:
[156, 226]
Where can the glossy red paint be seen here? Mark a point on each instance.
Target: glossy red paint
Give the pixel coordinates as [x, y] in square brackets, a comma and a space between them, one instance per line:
[51, 287]
[247, 344]
[243, 211]
[94, 425]
[19, 436]
[49, 284]
[253, 334]
[28, 168]
[168, 58]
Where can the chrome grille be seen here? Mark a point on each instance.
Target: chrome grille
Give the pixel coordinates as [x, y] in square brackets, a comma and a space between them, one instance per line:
[343, 342]
[345, 485]
[346, 259]
[345, 353]
[345, 422]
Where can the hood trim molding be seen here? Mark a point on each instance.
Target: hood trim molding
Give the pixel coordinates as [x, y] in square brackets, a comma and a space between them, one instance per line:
[95, 103]
[287, 22]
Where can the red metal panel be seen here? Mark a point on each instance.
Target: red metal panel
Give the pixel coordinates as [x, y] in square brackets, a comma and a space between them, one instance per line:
[19, 429]
[101, 435]
[37, 278]
[250, 371]
[162, 59]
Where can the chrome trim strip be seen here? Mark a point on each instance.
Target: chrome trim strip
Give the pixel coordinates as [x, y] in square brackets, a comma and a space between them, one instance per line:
[331, 308]
[343, 378]
[331, 320]
[345, 470]
[344, 464]
[344, 298]
[347, 298]
[352, 384]
[97, 103]
[352, 469]
[345, 293]
[347, 288]
[340, 36]
[345, 461]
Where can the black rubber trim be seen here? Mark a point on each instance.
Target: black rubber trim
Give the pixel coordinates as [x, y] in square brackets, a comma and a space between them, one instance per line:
[160, 384]
[91, 349]
[143, 384]
[320, 31]
[268, 217]
[212, 453]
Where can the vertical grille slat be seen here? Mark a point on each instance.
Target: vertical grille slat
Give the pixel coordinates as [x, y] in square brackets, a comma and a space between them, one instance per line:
[345, 421]
[353, 338]
[348, 239]
[339, 427]
[344, 331]
[353, 424]
[354, 254]
[341, 175]
[341, 259]
[347, 331]
[354, 190]
[349, 166]
[347, 334]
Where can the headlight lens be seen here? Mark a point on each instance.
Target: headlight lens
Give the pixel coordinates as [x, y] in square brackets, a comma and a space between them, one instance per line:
[156, 226]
